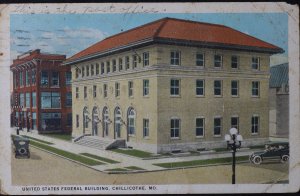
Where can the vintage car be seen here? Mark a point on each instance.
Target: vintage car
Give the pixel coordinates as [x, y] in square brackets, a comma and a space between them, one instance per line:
[21, 145]
[273, 151]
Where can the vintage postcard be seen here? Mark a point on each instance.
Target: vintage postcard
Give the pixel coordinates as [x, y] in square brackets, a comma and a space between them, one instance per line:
[149, 98]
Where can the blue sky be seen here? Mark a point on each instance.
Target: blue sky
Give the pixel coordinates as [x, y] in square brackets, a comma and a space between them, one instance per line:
[71, 33]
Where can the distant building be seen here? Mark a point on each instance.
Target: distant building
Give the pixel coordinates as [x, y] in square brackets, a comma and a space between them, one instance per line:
[279, 101]
[41, 97]
[173, 85]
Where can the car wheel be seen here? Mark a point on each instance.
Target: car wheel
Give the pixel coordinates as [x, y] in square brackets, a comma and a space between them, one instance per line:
[257, 160]
[285, 158]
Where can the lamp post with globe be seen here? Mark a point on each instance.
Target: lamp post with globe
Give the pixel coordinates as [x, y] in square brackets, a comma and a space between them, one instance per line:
[234, 141]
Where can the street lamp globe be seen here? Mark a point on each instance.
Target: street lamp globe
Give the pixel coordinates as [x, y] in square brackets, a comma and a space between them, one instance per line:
[239, 138]
[233, 131]
[227, 137]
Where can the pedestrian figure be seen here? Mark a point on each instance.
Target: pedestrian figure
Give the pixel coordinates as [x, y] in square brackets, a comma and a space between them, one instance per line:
[28, 125]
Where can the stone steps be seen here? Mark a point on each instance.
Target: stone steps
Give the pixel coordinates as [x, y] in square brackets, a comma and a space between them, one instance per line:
[93, 142]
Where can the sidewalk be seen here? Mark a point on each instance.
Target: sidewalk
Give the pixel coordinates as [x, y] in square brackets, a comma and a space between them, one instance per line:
[125, 160]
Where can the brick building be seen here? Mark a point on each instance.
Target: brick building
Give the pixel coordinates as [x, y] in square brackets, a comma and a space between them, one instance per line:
[41, 96]
[172, 85]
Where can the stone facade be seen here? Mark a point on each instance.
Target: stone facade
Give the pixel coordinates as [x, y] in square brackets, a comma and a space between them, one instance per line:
[158, 108]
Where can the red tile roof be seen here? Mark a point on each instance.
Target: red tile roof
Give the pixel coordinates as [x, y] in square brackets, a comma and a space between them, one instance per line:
[180, 30]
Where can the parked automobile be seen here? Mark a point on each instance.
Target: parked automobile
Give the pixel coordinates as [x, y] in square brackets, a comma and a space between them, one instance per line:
[21, 146]
[279, 151]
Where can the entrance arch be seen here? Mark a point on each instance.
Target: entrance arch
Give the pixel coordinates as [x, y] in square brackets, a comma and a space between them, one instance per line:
[131, 116]
[95, 120]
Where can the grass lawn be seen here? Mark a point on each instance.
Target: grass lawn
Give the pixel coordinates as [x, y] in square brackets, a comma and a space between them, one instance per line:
[99, 158]
[38, 140]
[221, 149]
[200, 162]
[134, 168]
[257, 147]
[133, 152]
[62, 136]
[66, 154]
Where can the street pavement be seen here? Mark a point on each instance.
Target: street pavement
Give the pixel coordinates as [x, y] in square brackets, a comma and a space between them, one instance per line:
[125, 160]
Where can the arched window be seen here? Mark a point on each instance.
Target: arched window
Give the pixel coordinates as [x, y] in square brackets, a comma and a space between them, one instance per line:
[105, 121]
[117, 122]
[131, 121]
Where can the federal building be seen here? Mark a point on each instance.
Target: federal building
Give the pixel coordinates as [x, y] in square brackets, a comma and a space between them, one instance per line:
[172, 85]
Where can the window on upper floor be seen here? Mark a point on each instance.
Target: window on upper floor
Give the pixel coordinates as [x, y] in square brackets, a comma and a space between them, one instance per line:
[200, 60]
[50, 100]
[255, 88]
[234, 62]
[105, 90]
[134, 61]
[234, 88]
[33, 97]
[27, 100]
[55, 79]
[117, 89]
[114, 65]
[145, 58]
[94, 91]
[44, 78]
[127, 62]
[218, 87]
[68, 76]
[145, 87]
[200, 86]
[120, 64]
[33, 76]
[82, 72]
[102, 68]
[218, 61]
[85, 92]
[21, 82]
[175, 58]
[97, 68]
[107, 67]
[77, 120]
[175, 87]
[145, 128]
[87, 70]
[77, 92]
[69, 99]
[92, 70]
[130, 88]
[22, 99]
[27, 78]
[255, 63]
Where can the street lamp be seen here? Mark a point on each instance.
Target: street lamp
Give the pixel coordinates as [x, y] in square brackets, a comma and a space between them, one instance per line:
[234, 141]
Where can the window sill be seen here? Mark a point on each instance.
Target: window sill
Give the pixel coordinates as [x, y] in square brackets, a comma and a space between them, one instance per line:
[254, 134]
[235, 96]
[175, 138]
[131, 135]
[175, 96]
[218, 96]
[253, 96]
[200, 96]
[217, 136]
[146, 138]
[146, 96]
[199, 137]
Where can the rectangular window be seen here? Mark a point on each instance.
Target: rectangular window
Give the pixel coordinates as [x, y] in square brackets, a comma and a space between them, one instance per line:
[97, 69]
[234, 88]
[87, 70]
[76, 72]
[134, 61]
[51, 121]
[218, 87]
[82, 72]
[114, 64]
[94, 91]
[235, 122]
[33, 76]
[68, 76]
[55, 78]
[92, 70]
[120, 64]
[175, 128]
[127, 62]
[107, 67]
[77, 92]
[34, 120]
[130, 88]
[21, 78]
[50, 100]
[22, 99]
[117, 89]
[175, 58]
[200, 59]
[255, 63]
[77, 120]
[102, 68]
[27, 78]
[145, 87]
[234, 62]
[15, 80]
[69, 99]
[255, 88]
[255, 124]
[200, 127]
[85, 92]
[105, 90]
[217, 126]
[44, 78]
[69, 119]
[145, 58]
[33, 99]
[218, 61]
[200, 87]
[146, 127]
[27, 100]
[175, 87]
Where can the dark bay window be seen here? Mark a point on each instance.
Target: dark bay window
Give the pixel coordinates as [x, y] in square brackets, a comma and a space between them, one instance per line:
[68, 76]
[175, 87]
[44, 78]
[200, 59]
[55, 78]
[175, 128]
[175, 58]
[50, 100]
[218, 61]
[234, 62]
[69, 99]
